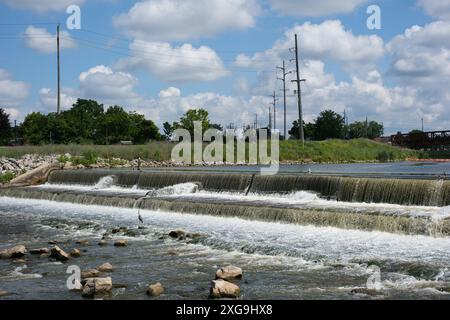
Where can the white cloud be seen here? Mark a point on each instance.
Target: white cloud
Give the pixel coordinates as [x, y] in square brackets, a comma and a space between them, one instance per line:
[326, 41]
[102, 83]
[422, 54]
[165, 20]
[47, 99]
[41, 5]
[174, 64]
[170, 92]
[436, 8]
[43, 41]
[12, 93]
[314, 8]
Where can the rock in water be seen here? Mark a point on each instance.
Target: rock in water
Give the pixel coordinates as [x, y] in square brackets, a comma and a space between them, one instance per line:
[155, 290]
[14, 252]
[224, 289]
[95, 286]
[229, 273]
[103, 243]
[82, 242]
[177, 234]
[106, 267]
[120, 243]
[4, 293]
[75, 253]
[40, 251]
[93, 273]
[59, 254]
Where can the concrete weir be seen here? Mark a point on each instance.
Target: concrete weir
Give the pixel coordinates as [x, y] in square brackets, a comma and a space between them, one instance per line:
[361, 191]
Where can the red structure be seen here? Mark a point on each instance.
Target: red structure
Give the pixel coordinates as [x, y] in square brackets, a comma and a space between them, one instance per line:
[433, 140]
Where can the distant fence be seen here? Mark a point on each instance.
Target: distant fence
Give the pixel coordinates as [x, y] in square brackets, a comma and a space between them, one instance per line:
[429, 141]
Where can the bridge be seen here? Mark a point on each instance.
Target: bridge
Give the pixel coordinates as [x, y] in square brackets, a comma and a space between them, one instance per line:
[434, 141]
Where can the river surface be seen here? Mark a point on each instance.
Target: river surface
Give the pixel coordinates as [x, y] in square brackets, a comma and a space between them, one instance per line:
[393, 169]
[280, 261]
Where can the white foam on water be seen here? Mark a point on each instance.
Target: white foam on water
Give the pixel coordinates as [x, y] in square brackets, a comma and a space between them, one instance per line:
[310, 200]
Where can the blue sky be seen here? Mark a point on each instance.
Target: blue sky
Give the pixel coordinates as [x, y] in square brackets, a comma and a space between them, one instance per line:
[162, 57]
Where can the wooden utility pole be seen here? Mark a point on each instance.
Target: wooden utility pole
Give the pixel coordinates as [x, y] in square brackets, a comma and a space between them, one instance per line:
[299, 94]
[283, 70]
[58, 98]
[274, 103]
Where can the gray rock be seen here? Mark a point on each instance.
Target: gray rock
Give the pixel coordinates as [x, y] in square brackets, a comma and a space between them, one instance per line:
[59, 254]
[14, 252]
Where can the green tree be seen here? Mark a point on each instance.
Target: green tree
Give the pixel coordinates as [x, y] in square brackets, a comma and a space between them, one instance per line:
[193, 115]
[329, 125]
[35, 129]
[5, 127]
[361, 129]
[143, 130]
[308, 130]
[84, 118]
[168, 130]
[115, 126]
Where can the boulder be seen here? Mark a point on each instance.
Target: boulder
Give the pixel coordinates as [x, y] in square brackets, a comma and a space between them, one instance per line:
[94, 286]
[75, 253]
[103, 243]
[40, 251]
[224, 289]
[106, 267]
[82, 242]
[4, 293]
[59, 254]
[155, 290]
[120, 243]
[14, 252]
[229, 273]
[93, 273]
[177, 234]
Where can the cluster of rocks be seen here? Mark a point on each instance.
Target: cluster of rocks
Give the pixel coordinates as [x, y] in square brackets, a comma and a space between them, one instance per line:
[97, 282]
[26, 163]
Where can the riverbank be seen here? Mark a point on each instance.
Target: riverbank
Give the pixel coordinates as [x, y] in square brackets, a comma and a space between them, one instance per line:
[158, 154]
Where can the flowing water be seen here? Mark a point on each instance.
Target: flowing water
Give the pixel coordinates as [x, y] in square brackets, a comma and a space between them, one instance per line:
[297, 244]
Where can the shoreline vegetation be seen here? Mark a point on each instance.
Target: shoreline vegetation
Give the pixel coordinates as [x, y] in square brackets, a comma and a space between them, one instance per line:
[328, 151]
[15, 161]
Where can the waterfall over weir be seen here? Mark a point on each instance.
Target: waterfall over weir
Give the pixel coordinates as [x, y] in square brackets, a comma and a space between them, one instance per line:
[390, 205]
[392, 191]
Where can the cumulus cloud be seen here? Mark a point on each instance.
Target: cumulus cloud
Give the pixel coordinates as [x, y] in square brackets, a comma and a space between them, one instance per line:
[422, 54]
[174, 64]
[156, 20]
[170, 92]
[314, 8]
[43, 41]
[101, 82]
[436, 8]
[326, 41]
[12, 93]
[41, 5]
[47, 99]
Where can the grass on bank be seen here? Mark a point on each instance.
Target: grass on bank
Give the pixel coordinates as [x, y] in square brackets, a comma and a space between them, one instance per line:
[315, 151]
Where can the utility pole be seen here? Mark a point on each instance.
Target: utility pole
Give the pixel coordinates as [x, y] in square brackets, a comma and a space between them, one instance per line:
[58, 103]
[283, 70]
[423, 126]
[15, 131]
[256, 121]
[274, 103]
[299, 93]
[270, 118]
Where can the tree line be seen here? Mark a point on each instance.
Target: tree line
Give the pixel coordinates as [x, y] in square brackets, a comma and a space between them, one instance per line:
[85, 123]
[331, 125]
[89, 122]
